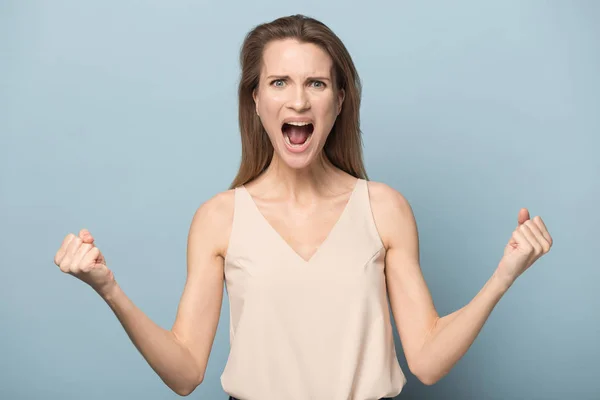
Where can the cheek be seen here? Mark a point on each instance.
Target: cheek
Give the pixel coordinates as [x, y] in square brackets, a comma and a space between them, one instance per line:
[328, 111]
[269, 109]
[269, 106]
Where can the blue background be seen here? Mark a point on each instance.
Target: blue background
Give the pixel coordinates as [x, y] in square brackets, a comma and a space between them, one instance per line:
[120, 116]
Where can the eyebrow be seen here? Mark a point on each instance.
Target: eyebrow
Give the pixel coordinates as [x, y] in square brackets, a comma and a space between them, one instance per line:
[311, 78]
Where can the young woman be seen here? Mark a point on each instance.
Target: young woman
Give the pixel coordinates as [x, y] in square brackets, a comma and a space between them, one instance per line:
[310, 251]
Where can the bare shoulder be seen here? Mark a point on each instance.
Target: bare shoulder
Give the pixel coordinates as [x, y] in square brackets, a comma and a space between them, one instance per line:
[211, 224]
[392, 213]
[387, 201]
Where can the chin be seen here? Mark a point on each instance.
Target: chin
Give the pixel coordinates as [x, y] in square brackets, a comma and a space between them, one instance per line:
[297, 161]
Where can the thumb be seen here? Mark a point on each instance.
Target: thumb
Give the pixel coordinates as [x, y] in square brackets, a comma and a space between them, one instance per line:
[86, 236]
[521, 219]
[523, 216]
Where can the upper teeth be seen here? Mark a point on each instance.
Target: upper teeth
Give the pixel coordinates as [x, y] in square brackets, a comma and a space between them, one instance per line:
[298, 123]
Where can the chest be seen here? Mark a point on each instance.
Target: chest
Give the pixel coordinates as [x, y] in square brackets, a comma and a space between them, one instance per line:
[304, 229]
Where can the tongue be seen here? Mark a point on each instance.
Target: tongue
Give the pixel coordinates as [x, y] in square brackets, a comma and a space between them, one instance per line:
[297, 134]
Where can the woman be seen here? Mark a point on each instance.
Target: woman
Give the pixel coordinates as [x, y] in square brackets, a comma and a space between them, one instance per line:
[308, 249]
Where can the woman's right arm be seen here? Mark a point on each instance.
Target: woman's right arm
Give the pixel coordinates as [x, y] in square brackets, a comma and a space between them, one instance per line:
[179, 355]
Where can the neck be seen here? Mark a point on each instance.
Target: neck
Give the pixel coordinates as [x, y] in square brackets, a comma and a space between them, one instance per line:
[301, 183]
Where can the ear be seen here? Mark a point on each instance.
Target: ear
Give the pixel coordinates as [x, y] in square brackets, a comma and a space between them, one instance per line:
[341, 97]
[255, 97]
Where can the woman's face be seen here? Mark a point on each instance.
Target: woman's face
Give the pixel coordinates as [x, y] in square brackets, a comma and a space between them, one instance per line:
[296, 100]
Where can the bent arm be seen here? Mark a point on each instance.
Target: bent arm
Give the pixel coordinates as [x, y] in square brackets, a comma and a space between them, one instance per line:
[432, 345]
[452, 335]
[164, 352]
[180, 355]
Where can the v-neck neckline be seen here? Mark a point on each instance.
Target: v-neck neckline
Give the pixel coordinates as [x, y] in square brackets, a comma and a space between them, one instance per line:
[327, 239]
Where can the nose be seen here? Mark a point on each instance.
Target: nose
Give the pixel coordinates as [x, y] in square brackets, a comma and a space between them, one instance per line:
[299, 100]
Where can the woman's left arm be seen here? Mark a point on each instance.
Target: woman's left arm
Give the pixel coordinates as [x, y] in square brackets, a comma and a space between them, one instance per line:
[433, 344]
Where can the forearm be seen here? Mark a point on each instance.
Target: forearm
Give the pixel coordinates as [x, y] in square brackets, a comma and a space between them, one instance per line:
[165, 354]
[453, 334]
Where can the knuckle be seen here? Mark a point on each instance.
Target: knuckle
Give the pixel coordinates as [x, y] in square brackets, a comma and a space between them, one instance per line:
[64, 263]
[65, 266]
[545, 247]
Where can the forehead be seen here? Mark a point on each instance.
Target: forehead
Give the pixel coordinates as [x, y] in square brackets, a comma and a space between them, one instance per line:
[290, 57]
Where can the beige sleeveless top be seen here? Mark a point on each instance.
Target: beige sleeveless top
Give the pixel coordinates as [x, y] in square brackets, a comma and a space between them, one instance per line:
[309, 330]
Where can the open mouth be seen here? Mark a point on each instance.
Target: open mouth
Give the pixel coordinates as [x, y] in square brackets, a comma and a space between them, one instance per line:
[297, 134]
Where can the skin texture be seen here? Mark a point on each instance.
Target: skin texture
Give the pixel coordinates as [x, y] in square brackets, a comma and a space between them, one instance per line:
[296, 82]
[302, 196]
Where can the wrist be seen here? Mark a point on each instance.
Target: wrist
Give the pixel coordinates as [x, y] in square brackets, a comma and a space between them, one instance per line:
[502, 281]
[108, 290]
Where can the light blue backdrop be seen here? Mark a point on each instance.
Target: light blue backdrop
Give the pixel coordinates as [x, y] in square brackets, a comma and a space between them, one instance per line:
[120, 116]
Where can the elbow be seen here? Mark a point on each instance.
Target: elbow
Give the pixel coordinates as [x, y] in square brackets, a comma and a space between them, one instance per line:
[187, 388]
[427, 380]
[183, 391]
[425, 374]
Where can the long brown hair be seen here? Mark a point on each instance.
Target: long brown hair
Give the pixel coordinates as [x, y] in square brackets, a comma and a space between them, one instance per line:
[343, 147]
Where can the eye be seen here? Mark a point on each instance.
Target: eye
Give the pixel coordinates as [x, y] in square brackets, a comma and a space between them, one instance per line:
[277, 83]
[318, 84]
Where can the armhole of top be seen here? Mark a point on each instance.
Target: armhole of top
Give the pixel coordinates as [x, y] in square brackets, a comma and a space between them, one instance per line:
[231, 238]
[371, 217]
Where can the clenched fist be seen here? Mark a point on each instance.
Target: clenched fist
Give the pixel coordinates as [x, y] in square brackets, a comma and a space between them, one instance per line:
[78, 256]
[529, 241]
